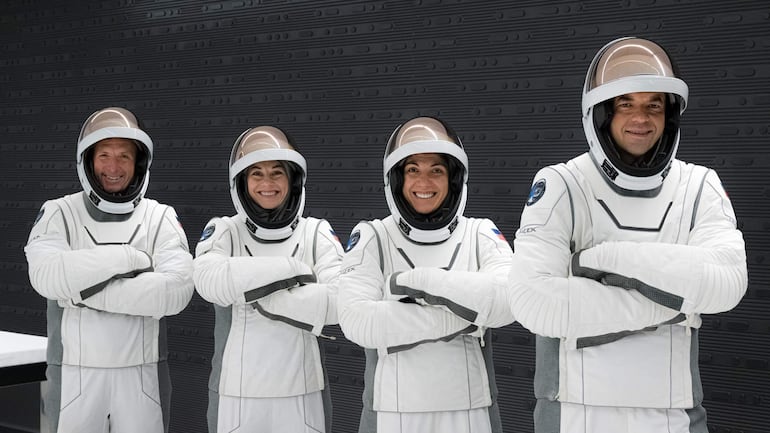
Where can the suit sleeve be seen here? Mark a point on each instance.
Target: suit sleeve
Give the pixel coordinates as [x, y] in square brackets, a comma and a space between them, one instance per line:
[312, 304]
[59, 273]
[471, 295]
[372, 320]
[225, 280]
[707, 275]
[545, 298]
[162, 291]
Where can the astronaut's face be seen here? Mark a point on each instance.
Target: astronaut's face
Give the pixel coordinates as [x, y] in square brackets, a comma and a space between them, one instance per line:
[268, 183]
[426, 181]
[637, 123]
[115, 163]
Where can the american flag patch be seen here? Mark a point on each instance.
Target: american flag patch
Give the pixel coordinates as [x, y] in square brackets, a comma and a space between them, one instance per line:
[499, 234]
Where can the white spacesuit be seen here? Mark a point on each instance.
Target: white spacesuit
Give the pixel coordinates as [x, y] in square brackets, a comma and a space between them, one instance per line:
[417, 291]
[271, 275]
[112, 265]
[616, 260]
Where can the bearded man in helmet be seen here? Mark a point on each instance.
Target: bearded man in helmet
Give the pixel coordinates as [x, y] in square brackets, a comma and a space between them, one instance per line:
[619, 252]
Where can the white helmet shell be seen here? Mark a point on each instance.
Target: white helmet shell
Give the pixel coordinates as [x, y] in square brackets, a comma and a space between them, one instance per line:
[267, 143]
[623, 66]
[425, 135]
[113, 122]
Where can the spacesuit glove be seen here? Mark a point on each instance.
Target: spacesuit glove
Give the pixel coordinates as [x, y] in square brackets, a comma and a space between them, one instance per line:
[574, 308]
[397, 294]
[422, 284]
[294, 273]
[394, 291]
[137, 262]
[602, 312]
[597, 262]
[140, 261]
[578, 269]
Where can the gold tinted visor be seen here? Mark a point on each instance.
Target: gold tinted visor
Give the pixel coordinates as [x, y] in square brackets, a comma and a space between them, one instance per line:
[630, 57]
[263, 143]
[261, 138]
[109, 118]
[420, 129]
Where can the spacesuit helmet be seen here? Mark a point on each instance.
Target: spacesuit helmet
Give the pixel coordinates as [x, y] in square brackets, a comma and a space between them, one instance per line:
[267, 143]
[113, 122]
[625, 66]
[425, 135]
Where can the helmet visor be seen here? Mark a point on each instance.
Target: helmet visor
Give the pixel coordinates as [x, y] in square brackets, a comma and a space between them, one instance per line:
[630, 57]
[265, 143]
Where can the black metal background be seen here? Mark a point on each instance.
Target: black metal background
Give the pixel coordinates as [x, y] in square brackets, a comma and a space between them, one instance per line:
[339, 76]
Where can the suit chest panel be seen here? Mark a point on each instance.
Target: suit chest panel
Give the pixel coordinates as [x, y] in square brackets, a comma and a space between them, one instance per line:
[458, 252]
[295, 246]
[135, 231]
[664, 218]
[620, 220]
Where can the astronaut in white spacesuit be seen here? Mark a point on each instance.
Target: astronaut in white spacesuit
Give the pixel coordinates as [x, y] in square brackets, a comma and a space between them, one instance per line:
[112, 263]
[618, 253]
[417, 291]
[271, 274]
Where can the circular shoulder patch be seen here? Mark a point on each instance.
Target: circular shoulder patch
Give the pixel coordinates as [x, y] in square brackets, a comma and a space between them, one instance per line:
[207, 232]
[537, 191]
[353, 240]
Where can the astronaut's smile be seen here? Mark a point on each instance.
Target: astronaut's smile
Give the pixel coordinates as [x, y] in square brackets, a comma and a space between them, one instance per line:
[114, 163]
[638, 122]
[268, 183]
[639, 133]
[426, 181]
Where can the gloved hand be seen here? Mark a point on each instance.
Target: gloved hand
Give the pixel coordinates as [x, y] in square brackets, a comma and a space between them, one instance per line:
[288, 274]
[602, 264]
[422, 285]
[138, 260]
